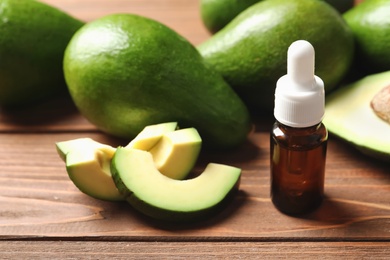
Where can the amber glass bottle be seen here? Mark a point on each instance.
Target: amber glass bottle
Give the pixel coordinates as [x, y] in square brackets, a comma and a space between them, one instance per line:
[298, 167]
[298, 138]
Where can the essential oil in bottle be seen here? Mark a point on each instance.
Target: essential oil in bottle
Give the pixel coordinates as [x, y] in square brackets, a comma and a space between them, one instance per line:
[298, 138]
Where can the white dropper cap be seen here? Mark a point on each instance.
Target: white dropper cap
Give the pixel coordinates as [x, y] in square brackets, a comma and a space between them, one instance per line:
[300, 95]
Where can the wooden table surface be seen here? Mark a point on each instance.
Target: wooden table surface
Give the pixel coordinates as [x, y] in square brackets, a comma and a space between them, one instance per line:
[43, 215]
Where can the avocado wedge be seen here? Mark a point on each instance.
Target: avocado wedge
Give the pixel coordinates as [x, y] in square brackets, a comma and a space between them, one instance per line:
[161, 197]
[88, 162]
[177, 152]
[349, 115]
[151, 135]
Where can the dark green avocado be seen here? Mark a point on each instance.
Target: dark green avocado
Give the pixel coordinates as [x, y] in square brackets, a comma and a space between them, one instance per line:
[216, 14]
[142, 73]
[33, 38]
[251, 51]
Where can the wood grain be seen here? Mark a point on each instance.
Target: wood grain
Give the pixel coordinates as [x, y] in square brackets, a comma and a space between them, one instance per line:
[43, 215]
[199, 250]
[40, 201]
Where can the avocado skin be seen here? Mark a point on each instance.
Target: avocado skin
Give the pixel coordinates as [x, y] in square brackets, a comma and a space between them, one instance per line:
[370, 24]
[146, 73]
[33, 37]
[382, 156]
[216, 14]
[251, 51]
[166, 215]
[181, 217]
[366, 149]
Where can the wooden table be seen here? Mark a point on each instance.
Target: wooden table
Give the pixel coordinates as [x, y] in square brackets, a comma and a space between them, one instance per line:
[43, 215]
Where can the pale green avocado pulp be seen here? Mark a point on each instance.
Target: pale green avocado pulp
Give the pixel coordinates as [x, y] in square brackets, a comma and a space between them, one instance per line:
[63, 148]
[88, 162]
[150, 135]
[161, 197]
[176, 153]
[88, 166]
[90, 172]
[349, 116]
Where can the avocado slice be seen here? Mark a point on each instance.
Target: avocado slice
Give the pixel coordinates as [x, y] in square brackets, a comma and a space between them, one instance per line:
[349, 116]
[88, 161]
[176, 153]
[150, 135]
[63, 148]
[160, 197]
[89, 169]
[88, 166]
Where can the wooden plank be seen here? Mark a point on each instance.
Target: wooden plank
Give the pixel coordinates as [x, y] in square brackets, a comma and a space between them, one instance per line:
[185, 250]
[38, 199]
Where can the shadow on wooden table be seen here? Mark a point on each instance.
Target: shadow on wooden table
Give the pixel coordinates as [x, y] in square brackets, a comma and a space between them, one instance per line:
[57, 113]
[225, 213]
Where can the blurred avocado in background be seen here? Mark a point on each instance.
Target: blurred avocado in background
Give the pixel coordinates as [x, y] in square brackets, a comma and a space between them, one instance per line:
[251, 51]
[33, 38]
[216, 14]
[370, 24]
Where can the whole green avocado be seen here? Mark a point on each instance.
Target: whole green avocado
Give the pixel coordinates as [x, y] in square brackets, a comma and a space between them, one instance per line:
[125, 72]
[33, 38]
[251, 51]
[216, 14]
[370, 24]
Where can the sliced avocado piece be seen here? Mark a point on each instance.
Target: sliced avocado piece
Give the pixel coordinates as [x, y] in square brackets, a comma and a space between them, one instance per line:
[161, 197]
[150, 135]
[176, 153]
[63, 148]
[87, 161]
[349, 116]
[89, 169]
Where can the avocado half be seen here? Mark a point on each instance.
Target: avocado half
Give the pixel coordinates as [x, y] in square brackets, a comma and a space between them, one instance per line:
[349, 116]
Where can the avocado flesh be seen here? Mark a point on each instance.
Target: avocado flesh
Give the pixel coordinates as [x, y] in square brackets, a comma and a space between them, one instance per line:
[177, 152]
[64, 147]
[34, 36]
[89, 169]
[144, 73]
[158, 196]
[88, 166]
[151, 135]
[88, 161]
[349, 116]
[250, 51]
